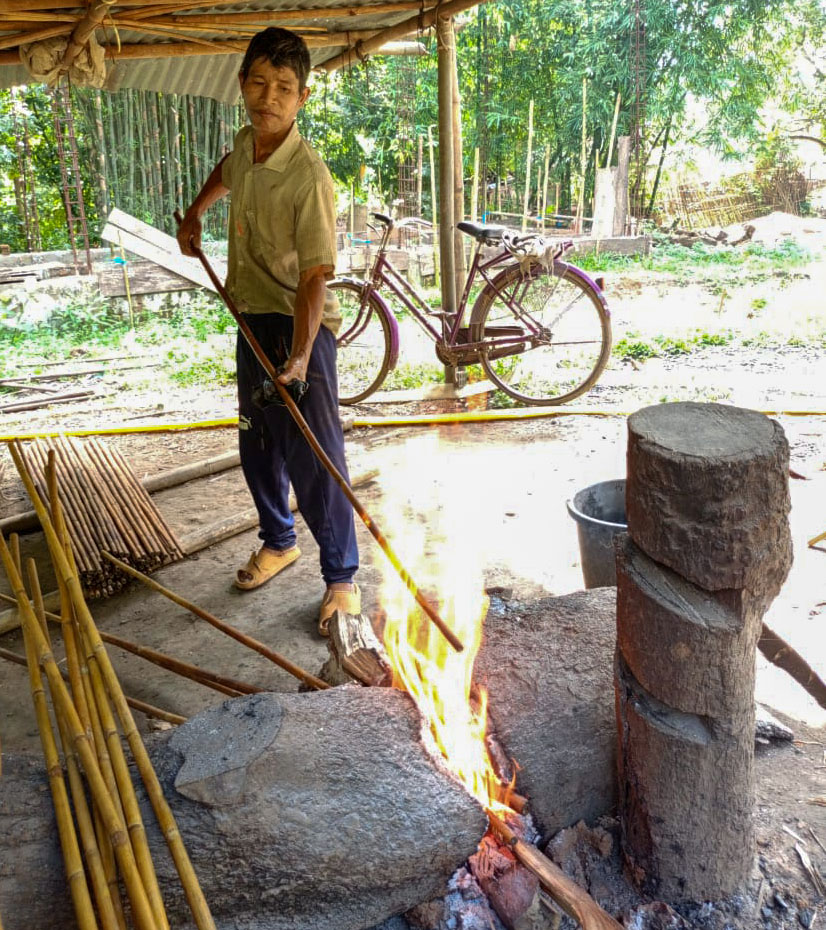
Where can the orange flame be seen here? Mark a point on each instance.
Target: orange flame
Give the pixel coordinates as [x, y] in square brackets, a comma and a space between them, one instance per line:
[439, 680]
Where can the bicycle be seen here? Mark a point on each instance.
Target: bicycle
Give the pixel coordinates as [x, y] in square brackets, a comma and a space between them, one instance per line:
[539, 327]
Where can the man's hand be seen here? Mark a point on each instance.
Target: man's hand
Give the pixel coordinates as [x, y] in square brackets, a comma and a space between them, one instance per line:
[294, 369]
[189, 233]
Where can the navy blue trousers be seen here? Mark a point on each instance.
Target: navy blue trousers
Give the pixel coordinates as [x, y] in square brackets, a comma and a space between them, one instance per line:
[274, 452]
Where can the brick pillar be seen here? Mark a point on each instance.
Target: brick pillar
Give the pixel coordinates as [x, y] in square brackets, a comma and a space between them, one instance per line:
[707, 550]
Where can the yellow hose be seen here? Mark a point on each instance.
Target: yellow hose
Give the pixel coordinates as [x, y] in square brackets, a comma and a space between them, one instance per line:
[419, 419]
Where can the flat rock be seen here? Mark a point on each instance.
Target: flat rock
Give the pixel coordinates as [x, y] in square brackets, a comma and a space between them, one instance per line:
[330, 817]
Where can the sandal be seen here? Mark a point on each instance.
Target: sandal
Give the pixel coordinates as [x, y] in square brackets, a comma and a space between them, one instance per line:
[263, 565]
[348, 602]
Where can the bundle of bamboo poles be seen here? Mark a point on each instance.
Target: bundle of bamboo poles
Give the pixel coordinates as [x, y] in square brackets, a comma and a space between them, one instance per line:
[102, 835]
[105, 507]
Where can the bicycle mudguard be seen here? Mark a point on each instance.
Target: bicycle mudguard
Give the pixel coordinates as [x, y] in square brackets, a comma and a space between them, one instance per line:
[392, 322]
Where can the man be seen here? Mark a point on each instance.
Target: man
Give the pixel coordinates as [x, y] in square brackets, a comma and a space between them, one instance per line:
[281, 253]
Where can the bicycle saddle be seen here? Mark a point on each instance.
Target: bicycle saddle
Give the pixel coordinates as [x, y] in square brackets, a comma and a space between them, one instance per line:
[482, 232]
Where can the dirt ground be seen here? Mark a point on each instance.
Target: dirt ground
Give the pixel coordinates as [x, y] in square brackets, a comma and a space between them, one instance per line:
[486, 498]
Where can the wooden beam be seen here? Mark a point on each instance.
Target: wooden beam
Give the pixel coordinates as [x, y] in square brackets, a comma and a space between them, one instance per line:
[279, 16]
[36, 35]
[413, 24]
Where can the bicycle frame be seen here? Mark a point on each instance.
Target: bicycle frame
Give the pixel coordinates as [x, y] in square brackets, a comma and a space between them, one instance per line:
[384, 274]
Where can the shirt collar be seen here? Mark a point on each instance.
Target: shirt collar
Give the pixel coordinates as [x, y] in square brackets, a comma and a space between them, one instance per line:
[281, 156]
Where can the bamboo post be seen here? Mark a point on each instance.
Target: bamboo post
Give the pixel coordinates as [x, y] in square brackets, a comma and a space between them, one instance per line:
[142, 912]
[474, 193]
[613, 131]
[583, 160]
[194, 894]
[237, 635]
[419, 172]
[434, 205]
[528, 169]
[447, 256]
[545, 185]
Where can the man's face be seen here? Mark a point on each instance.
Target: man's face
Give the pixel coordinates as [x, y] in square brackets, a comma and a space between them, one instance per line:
[272, 97]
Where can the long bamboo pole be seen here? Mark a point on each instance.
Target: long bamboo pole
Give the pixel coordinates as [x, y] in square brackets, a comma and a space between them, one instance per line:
[322, 456]
[149, 709]
[128, 802]
[194, 894]
[237, 635]
[75, 875]
[141, 910]
[85, 825]
[126, 790]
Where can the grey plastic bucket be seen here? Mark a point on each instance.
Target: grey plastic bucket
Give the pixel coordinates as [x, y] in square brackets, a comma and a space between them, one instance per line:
[599, 512]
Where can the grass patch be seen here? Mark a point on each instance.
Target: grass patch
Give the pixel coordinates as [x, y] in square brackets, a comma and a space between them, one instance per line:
[753, 262]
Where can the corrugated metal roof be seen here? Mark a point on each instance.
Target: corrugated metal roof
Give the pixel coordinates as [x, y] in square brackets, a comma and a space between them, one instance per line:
[331, 27]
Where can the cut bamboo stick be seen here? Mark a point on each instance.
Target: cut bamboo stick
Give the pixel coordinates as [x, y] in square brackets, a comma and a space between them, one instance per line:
[75, 875]
[60, 695]
[78, 677]
[236, 634]
[149, 709]
[197, 902]
[85, 825]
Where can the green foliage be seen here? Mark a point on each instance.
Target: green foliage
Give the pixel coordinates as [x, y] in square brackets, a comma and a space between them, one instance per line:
[633, 347]
[209, 372]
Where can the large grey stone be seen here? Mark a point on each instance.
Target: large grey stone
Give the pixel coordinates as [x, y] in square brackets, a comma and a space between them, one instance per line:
[335, 817]
[548, 668]
[707, 494]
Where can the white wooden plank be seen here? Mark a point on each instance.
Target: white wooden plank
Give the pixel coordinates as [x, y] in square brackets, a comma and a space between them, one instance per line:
[156, 246]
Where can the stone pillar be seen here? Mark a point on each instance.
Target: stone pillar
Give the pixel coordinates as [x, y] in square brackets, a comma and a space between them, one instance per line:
[707, 550]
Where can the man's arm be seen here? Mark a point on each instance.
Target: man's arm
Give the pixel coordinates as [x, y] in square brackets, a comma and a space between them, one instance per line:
[189, 232]
[309, 308]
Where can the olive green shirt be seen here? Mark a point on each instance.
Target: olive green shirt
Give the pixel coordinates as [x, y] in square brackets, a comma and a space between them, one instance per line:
[282, 221]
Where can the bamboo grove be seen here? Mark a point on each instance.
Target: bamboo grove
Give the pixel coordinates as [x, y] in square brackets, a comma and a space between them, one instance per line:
[569, 64]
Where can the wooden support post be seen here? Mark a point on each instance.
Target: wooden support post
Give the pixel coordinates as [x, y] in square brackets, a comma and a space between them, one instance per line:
[528, 169]
[434, 206]
[447, 256]
[474, 194]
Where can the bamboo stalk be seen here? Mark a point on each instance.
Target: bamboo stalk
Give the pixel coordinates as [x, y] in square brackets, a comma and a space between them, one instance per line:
[75, 875]
[42, 655]
[149, 709]
[567, 894]
[613, 131]
[86, 829]
[193, 672]
[126, 790]
[77, 671]
[236, 634]
[166, 820]
[127, 804]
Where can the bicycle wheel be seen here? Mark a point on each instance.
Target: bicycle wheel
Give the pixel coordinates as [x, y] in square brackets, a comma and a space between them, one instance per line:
[363, 343]
[546, 334]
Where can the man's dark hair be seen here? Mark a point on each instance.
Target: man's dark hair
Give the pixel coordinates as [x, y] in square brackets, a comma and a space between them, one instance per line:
[281, 48]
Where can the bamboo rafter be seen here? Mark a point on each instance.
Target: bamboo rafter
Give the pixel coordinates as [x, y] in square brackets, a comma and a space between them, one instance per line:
[161, 19]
